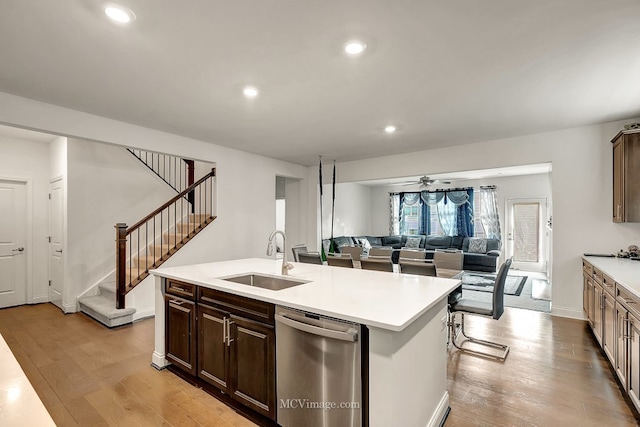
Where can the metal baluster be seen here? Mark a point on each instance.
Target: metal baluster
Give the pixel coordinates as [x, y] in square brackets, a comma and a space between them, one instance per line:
[138, 253]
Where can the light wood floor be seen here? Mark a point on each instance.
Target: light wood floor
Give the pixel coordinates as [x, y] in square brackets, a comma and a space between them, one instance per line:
[89, 375]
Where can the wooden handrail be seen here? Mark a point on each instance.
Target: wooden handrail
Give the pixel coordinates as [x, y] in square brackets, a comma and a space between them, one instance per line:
[135, 260]
[171, 201]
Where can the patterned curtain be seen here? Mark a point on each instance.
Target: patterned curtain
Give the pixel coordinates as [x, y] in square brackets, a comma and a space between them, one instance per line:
[455, 210]
[394, 212]
[489, 212]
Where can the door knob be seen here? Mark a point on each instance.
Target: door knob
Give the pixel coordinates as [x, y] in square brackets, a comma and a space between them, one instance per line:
[17, 250]
[59, 250]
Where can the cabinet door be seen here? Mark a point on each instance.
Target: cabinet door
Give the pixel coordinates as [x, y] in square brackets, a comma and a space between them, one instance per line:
[585, 294]
[213, 351]
[608, 326]
[633, 380]
[180, 328]
[618, 181]
[597, 312]
[622, 333]
[592, 296]
[252, 365]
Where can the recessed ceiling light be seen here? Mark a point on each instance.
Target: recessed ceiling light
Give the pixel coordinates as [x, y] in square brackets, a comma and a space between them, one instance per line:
[354, 47]
[250, 92]
[119, 14]
[390, 129]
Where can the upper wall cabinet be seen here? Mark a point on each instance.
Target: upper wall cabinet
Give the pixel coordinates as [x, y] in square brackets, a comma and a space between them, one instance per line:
[626, 176]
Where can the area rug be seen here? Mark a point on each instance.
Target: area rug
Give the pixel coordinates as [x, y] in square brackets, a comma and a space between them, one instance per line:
[484, 283]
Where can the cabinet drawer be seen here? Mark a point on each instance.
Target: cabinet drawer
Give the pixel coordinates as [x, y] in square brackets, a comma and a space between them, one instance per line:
[628, 300]
[608, 284]
[252, 309]
[181, 289]
[597, 275]
[587, 269]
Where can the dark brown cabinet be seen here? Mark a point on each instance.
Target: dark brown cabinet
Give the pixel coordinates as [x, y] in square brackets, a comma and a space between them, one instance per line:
[252, 364]
[226, 340]
[626, 176]
[180, 324]
[213, 348]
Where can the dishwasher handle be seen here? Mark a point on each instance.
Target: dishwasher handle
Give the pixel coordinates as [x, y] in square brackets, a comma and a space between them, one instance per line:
[350, 335]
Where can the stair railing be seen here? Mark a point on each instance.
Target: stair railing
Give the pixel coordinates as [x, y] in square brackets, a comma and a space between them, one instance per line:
[177, 172]
[152, 240]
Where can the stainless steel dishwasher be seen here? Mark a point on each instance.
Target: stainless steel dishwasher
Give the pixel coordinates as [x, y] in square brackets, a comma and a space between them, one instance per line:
[319, 370]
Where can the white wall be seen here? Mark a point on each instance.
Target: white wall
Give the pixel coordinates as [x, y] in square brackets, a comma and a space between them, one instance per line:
[26, 160]
[106, 185]
[245, 181]
[352, 210]
[581, 185]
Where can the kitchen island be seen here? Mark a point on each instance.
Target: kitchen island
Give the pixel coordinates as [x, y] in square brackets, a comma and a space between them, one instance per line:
[405, 316]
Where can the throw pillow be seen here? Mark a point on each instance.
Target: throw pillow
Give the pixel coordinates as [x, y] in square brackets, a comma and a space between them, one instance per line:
[413, 242]
[365, 245]
[477, 246]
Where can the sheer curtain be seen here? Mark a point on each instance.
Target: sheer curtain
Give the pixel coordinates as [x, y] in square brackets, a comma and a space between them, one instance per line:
[447, 214]
[489, 214]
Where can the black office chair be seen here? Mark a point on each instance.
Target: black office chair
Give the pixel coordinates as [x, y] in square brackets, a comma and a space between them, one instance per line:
[342, 260]
[412, 266]
[493, 309]
[310, 258]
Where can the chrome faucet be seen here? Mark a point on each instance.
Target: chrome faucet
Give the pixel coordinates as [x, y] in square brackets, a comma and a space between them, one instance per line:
[286, 266]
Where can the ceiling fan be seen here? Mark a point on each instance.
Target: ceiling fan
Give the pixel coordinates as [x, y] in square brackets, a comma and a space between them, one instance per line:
[425, 182]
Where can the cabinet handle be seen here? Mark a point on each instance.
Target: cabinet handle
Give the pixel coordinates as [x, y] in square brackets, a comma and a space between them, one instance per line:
[178, 288]
[224, 330]
[229, 340]
[618, 211]
[629, 301]
[176, 302]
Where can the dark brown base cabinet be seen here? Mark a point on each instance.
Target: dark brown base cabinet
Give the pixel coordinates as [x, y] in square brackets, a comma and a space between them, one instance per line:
[225, 340]
[180, 333]
[614, 317]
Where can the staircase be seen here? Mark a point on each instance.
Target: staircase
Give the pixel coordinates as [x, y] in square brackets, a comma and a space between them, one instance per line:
[149, 243]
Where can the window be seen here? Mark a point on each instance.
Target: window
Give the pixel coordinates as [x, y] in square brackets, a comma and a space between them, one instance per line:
[411, 223]
[434, 222]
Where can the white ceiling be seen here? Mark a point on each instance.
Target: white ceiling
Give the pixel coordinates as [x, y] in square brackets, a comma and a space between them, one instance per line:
[445, 72]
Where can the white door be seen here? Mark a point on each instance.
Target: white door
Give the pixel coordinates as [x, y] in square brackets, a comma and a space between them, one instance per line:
[56, 217]
[13, 233]
[526, 234]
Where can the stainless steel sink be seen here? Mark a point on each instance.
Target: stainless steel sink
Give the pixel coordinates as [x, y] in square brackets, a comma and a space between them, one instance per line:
[273, 283]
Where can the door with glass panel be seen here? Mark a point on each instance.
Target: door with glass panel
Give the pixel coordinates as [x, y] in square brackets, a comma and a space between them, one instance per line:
[526, 234]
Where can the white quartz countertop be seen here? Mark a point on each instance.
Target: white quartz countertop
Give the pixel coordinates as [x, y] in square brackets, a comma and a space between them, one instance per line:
[385, 300]
[624, 271]
[19, 402]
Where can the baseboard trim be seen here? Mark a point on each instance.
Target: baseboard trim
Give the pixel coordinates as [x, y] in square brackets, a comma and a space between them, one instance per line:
[39, 300]
[570, 313]
[144, 313]
[158, 361]
[69, 308]
[442, 410]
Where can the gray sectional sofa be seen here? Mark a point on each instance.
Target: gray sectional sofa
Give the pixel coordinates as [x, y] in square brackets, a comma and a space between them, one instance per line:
[472, 261]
